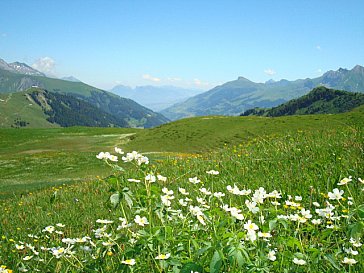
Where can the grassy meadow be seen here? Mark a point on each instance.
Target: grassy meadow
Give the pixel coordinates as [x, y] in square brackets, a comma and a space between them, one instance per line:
[220, 194]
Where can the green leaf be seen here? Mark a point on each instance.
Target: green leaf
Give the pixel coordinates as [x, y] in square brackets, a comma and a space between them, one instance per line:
[292, 242]
[117, 168]
[272, 224]
[191, 267]
[127, 196]
[356, 229]
[360, 211]
[203, 250]
[115, 199]
[112, 180]
[283, 222]
[332, 261]
[53, 197]
[239, 258]
[216, 262]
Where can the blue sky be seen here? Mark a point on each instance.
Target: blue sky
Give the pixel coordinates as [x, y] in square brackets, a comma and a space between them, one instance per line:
[190, 43]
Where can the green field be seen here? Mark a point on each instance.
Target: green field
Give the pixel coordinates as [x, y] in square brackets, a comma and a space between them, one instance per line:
[303, 156]
[36, 158]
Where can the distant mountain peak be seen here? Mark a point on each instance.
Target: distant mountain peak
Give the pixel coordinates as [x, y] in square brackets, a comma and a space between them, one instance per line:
[70, 79]
[358, 69]
[240, 78]
[342, 70]
[23, 68]
[270, 81]
[20, 68]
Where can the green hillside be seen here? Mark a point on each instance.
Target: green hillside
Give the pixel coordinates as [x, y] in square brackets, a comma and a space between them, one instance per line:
[320, 100]
[200, 134]
[235, 97]
[37, 108]
[17, 108]
[135, 114]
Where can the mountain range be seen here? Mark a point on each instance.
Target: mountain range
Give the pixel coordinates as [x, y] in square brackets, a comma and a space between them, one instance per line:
[156, 98]
[17, 77]
[235, 97]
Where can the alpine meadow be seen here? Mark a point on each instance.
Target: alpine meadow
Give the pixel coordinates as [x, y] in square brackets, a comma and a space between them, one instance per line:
[125, 145]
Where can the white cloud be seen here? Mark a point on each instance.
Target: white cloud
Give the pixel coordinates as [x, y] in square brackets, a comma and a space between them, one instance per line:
[200, 83]
[318, 47]
[319, 70]
[269, 71]
[151, 78]
[174, 79]
[45, 65]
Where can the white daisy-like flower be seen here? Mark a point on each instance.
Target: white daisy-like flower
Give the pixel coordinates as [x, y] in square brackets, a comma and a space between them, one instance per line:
[264, 234]
[205, 191]
[113, 158]
[27, 258]
[150, 178]
[163, 256]
[133, 180]
[161, 178]
[272, 255]
[336, 194]
[194, 180]
[299, 261]
[141, 221]
[213, 172]
[119, 151]
[49, 229]
[219, 194]
[298, 198]
[344, 181]
[19, 247]
[250, 226]
[316, 221]
[104, 221]
[183, 191]
[355, 242]
[349, 261]
[351, 251]
[166, 191]
[129, 262]
[69, 241]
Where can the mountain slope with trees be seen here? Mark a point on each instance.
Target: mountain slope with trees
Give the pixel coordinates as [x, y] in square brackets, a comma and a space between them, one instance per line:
[320, 100]
[38, 108]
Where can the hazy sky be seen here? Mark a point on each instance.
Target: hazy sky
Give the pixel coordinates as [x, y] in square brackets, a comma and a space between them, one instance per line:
[188, 43]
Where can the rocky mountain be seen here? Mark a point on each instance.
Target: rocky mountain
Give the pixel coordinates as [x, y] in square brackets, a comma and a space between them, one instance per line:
[155, 97]
[320, 100]
[235, 97]
[133, 113]
[21, 68]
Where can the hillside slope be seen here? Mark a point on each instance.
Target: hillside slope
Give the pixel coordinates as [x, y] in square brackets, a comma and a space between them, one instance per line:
[320, 100]
[235, 97]
[199, 134]
[37, 108]
[135, 114]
